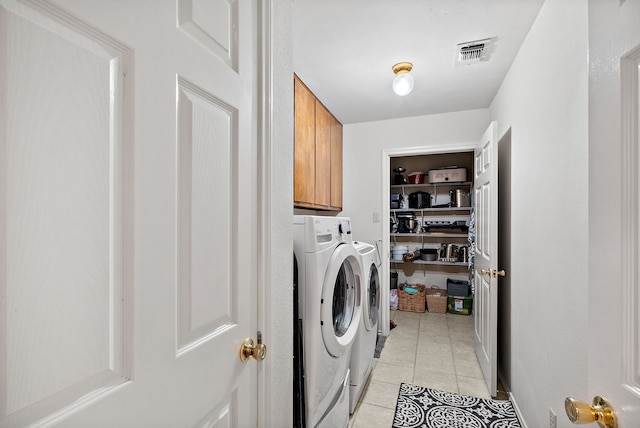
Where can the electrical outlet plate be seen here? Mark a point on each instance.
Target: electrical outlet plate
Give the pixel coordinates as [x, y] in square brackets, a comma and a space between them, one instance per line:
[553, 419]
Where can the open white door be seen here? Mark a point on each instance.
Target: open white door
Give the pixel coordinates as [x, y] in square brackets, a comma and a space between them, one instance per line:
[485, 305]
[128, 249]
[614, 227]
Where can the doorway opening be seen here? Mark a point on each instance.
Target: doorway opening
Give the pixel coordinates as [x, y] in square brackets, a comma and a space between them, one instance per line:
[504, 259]
[389, 163]
[388, 157]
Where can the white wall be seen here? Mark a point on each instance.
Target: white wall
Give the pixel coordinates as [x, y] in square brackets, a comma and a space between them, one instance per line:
[363, 144]
[544, 100]
[366, 147]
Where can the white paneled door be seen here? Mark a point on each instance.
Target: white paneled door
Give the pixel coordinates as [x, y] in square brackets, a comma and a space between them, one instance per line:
[614, 226]
[128, 164]
[485, 305]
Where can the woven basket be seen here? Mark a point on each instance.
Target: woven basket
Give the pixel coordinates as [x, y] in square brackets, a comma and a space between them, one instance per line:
[436, 300]
[412, 302]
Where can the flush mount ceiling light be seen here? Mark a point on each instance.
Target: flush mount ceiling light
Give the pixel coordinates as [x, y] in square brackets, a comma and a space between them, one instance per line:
[403, 82]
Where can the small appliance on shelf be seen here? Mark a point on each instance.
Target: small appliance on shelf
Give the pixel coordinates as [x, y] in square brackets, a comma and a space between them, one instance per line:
[396, 201]
[399, 177]
[419, 200]
[407, 223]
[445, 226]
[447, 174]
[416, 177]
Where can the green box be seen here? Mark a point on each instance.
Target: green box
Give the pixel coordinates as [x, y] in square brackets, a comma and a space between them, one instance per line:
[459, 305]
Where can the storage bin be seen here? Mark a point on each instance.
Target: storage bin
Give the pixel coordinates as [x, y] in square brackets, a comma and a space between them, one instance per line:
[416, 178]
[460, 305]
[457, 287]
[436, 300]
[411, 302]
[443, 175]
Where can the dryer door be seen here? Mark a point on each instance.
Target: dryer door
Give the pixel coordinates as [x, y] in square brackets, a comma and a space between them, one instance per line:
[341, 300]
[371, 307]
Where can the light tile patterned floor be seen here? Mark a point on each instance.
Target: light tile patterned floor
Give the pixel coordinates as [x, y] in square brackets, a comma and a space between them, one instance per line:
[432, 350]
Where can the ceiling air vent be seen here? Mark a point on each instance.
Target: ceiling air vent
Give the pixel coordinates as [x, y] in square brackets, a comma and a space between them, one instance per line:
[473, 52]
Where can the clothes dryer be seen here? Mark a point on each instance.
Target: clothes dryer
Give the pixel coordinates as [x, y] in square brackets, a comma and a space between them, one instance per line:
[364, 347]
[329, 310]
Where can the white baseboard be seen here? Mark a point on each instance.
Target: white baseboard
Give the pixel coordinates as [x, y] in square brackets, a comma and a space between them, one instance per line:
[517, 409]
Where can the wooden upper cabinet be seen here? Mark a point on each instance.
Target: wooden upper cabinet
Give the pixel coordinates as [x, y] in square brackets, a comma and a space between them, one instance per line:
[336, 164]
[317, 153]
[323, 155]
[304, 172]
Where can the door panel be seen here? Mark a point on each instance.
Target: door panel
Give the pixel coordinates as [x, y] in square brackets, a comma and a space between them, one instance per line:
[486, 256]
[64, 211]
[205, 194]
[323, 155]
[214, 24]
[304, 180]
[336, 164]
[126, 138]
[614, 228]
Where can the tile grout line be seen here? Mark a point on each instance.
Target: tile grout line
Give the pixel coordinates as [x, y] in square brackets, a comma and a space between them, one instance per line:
[453, 360]
[415, 359]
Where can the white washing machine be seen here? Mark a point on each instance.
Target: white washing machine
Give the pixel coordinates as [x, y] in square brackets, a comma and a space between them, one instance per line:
[329, 290]
[364, 347]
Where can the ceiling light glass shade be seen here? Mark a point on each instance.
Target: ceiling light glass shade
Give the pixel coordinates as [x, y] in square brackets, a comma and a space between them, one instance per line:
[403, 83]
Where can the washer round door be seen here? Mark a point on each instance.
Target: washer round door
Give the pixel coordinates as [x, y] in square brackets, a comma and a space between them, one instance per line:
[371, 307]
[341, 306]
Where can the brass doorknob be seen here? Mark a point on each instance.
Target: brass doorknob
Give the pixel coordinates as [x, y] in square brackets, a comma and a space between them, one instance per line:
[599, 411]
[494, 273]
[249, 349]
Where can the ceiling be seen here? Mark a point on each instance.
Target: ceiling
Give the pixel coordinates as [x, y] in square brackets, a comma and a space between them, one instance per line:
[344, 51]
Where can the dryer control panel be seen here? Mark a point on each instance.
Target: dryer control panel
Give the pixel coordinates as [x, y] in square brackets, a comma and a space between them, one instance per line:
[344, 227]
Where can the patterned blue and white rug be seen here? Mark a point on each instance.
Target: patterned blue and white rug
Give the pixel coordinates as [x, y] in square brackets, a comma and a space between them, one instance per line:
[419, 407]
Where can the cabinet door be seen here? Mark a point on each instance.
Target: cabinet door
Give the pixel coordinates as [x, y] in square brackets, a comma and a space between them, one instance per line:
[304, 147]
[323, 155]
[336, 164]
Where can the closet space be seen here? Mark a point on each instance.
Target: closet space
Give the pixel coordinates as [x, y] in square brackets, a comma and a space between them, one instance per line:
[431, 232]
